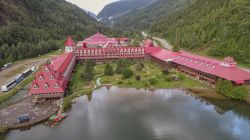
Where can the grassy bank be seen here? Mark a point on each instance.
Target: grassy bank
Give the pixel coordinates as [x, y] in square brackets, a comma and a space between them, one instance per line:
[150, 71]
[12, 92]
[77, 87]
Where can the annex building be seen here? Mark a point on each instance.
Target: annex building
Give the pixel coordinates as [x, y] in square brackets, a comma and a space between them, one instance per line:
[52, 80]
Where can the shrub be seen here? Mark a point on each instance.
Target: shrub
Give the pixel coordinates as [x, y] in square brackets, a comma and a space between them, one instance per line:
[240, 93]
[138, 77]
[152, 81]
[145, 84]
[127, 73]
[181, 76]
[108, 71]
[168, 78]
[129, 83]
[120, 82]
[165, 71]
[226, 88]
[138, 67]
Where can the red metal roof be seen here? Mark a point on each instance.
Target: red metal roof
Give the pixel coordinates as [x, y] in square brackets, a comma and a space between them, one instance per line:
[100, 39]
[97, 37]
[69, 42]
[54, 77]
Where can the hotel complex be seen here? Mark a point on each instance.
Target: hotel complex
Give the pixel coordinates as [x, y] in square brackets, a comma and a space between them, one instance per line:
[51, 82]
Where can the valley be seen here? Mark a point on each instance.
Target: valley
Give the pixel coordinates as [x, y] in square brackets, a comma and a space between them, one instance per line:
[136, 69]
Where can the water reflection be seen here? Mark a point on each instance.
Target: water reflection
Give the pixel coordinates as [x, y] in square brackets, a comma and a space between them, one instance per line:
[122, 114]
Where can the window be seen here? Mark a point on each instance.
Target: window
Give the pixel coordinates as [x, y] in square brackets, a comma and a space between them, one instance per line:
[46, 69]
[56, 85]
[51, 77]
[46, 86]
[35, 86]
[41, 77]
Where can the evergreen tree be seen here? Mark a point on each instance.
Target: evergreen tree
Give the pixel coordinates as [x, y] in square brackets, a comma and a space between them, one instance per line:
[108, 71]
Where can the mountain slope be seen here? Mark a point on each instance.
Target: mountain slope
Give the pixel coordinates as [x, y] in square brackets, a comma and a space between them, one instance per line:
[212, 27]
[143, 18]
[120, 8]
[29, 28]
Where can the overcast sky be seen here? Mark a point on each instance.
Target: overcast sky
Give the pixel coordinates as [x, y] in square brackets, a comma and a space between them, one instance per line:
[94, 6]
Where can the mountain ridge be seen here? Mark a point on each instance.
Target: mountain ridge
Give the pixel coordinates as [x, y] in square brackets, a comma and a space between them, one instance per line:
[209, 27]
[29, 28]
[120, 8]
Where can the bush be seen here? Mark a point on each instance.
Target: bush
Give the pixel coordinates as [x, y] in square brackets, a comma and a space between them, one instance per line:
[152, 81]
[88, 73]
[127, 73]
[145, 84]
[165, 71]
[226, 88]
[129, 83]
[108, 71]
[138, 77]
[138, 67]
[168, 78]
[120, 82]
[181, 76]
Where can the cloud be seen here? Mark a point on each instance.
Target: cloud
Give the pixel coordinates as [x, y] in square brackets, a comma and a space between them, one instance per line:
[94, 6]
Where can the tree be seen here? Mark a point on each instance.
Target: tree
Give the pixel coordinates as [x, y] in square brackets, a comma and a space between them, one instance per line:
[165, 71]
[88, 73]
[226, 88]
[152, 81]
[138, 67]
[127, 73]
[119, 67]
[240, 93]
[138, 77]
[108, 71]
[176, 47]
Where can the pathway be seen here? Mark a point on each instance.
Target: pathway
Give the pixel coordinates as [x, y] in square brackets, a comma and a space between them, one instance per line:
[163, 42]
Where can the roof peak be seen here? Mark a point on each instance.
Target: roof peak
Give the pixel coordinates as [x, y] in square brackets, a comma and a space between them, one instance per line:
[69, 42]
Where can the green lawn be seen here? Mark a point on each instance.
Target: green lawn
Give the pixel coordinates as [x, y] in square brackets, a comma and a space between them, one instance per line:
[76, 81]
[149, 71]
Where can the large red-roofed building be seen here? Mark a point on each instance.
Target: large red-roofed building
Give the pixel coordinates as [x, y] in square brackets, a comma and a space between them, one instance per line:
[200, 67]
[51, 82]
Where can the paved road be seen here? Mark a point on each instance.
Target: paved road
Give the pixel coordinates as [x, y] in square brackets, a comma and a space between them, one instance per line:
[163, 42]
[18, 67]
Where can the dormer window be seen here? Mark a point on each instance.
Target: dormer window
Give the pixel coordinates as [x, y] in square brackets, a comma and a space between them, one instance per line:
[35, 86]
[46, 85]
[41, 77]
[56, 85]
[51, 77]
[46, 69]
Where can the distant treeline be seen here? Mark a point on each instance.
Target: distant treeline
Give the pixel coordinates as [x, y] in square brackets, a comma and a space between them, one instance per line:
[29, 28]
[214, 27]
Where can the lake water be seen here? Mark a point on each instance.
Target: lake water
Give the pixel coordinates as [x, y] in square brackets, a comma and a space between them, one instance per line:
[130, 114]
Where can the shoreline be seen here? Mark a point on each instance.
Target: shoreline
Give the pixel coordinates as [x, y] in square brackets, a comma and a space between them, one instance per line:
[204, 93]
[37, 112]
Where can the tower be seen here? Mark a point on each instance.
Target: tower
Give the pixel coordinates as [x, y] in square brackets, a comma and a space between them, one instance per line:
[69, 45]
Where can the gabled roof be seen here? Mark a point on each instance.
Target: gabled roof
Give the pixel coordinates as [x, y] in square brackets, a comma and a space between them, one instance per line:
[97, 37]
[69, 42]
[58, 73]
[61, 62]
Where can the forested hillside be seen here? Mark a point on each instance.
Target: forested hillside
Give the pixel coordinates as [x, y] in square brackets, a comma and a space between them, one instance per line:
[120, 8]
[144, 18]
[29, 28]
[213, 27]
